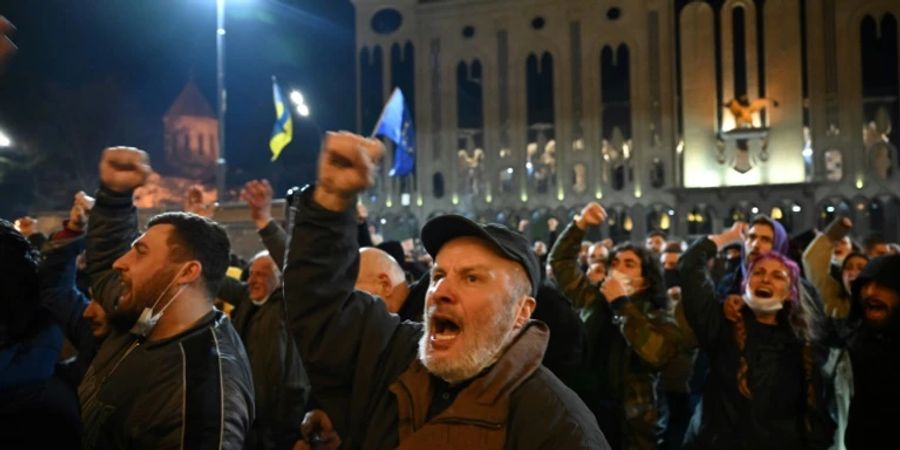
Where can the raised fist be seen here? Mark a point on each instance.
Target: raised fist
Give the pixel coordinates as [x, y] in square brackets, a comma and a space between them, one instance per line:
[346, 167]
[258, 195]
[86, 202]
[193, 203]
[122, 169]
[593, 214]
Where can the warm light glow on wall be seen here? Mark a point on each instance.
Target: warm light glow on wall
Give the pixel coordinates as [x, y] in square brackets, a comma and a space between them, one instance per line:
[859, 182]
[455, 199]
[388, 203]
[419, 201]
[524, 198]
[777, 213]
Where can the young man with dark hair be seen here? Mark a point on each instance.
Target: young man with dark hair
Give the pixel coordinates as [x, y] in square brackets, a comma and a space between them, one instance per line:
[656, 242]
[180, 377]
[631, 334]
[875, 354]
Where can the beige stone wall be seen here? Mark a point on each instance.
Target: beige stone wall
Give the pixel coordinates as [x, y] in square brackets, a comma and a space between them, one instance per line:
[648, 29]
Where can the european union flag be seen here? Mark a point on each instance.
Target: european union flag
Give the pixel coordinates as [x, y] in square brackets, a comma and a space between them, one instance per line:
[283, 131]
[396, 124]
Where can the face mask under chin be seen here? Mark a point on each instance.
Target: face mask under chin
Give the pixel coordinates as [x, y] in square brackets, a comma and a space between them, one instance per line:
[762, 304]
[147, 319]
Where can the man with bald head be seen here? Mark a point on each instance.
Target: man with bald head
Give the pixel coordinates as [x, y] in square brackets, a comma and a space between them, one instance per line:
[380, 275]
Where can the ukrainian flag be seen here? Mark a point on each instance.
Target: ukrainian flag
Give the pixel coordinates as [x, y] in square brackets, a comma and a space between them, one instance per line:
[283, 130]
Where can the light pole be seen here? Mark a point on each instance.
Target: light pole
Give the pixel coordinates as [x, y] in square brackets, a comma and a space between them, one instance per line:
[221, 165]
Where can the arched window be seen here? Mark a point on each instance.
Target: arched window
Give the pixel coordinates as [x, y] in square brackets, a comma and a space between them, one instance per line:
[880, 86]
[371, 86]
[403, 73]
[700, 220]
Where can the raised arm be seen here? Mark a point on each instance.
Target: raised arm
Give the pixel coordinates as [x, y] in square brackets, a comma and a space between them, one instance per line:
[349, 343]
[113, 223]
[817, 265]
[564, 257]
[698, 292]
[59, 294]
[258, 195]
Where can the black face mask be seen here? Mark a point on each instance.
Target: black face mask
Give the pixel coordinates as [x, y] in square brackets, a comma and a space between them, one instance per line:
[673, 278]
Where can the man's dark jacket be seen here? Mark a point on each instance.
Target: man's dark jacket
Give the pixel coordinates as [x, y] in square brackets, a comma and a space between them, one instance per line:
[279, 379]
[354, 350]
[192, 390]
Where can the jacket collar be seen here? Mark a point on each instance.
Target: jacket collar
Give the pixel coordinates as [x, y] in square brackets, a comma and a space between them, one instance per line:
[485, 400]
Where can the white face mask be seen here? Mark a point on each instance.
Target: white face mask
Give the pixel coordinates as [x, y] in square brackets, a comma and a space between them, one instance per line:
[838, 261]
[148, 320]
[624, 279]
[762, 305]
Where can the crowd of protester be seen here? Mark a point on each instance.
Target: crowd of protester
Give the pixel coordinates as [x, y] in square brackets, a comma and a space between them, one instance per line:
[115, 335]
[121, 336]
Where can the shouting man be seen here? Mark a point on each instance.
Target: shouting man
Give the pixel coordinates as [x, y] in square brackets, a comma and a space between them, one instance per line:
[180, 377]
[470, 376]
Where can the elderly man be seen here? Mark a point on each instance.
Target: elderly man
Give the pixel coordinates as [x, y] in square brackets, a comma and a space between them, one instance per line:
[279, 379]
[469, 376]
[381, 275]
[180, 377]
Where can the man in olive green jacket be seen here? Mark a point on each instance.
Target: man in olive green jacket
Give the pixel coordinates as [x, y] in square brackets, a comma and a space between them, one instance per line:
[631, 333]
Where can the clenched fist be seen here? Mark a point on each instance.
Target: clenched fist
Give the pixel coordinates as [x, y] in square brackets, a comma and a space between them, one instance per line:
[258, 195]
[593, 214]
[346, 167]
[122, 169]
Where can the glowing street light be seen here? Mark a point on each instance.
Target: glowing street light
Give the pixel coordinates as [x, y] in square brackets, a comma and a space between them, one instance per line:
[296, 97]
[5, 141]
[298, 100]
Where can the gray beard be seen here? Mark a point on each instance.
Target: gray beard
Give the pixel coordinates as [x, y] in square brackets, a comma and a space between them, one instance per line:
[486, 348]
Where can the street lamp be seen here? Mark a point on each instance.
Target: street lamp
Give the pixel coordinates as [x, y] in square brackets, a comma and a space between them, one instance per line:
[221, 165]
[300, 103]
[5, 141]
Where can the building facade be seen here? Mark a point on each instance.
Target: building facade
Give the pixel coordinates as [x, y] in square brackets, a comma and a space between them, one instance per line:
[675, 115]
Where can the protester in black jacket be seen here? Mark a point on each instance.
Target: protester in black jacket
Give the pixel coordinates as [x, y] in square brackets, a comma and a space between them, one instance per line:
[764, 388]
[180, 378]
[279, 379]
[379, 394]
[875, 355]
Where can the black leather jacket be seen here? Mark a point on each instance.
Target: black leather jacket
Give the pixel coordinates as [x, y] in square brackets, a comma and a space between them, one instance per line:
[187, 391]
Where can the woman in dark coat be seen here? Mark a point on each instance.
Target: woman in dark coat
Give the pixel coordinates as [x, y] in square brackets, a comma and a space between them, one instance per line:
[764, 388]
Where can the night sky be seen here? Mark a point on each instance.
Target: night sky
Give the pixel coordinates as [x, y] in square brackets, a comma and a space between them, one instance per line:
[92, 73]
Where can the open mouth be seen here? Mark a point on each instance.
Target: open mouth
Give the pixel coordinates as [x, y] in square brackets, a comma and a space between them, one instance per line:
[875, 308]
[763, 293]
[126, 292]
[444, 330]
